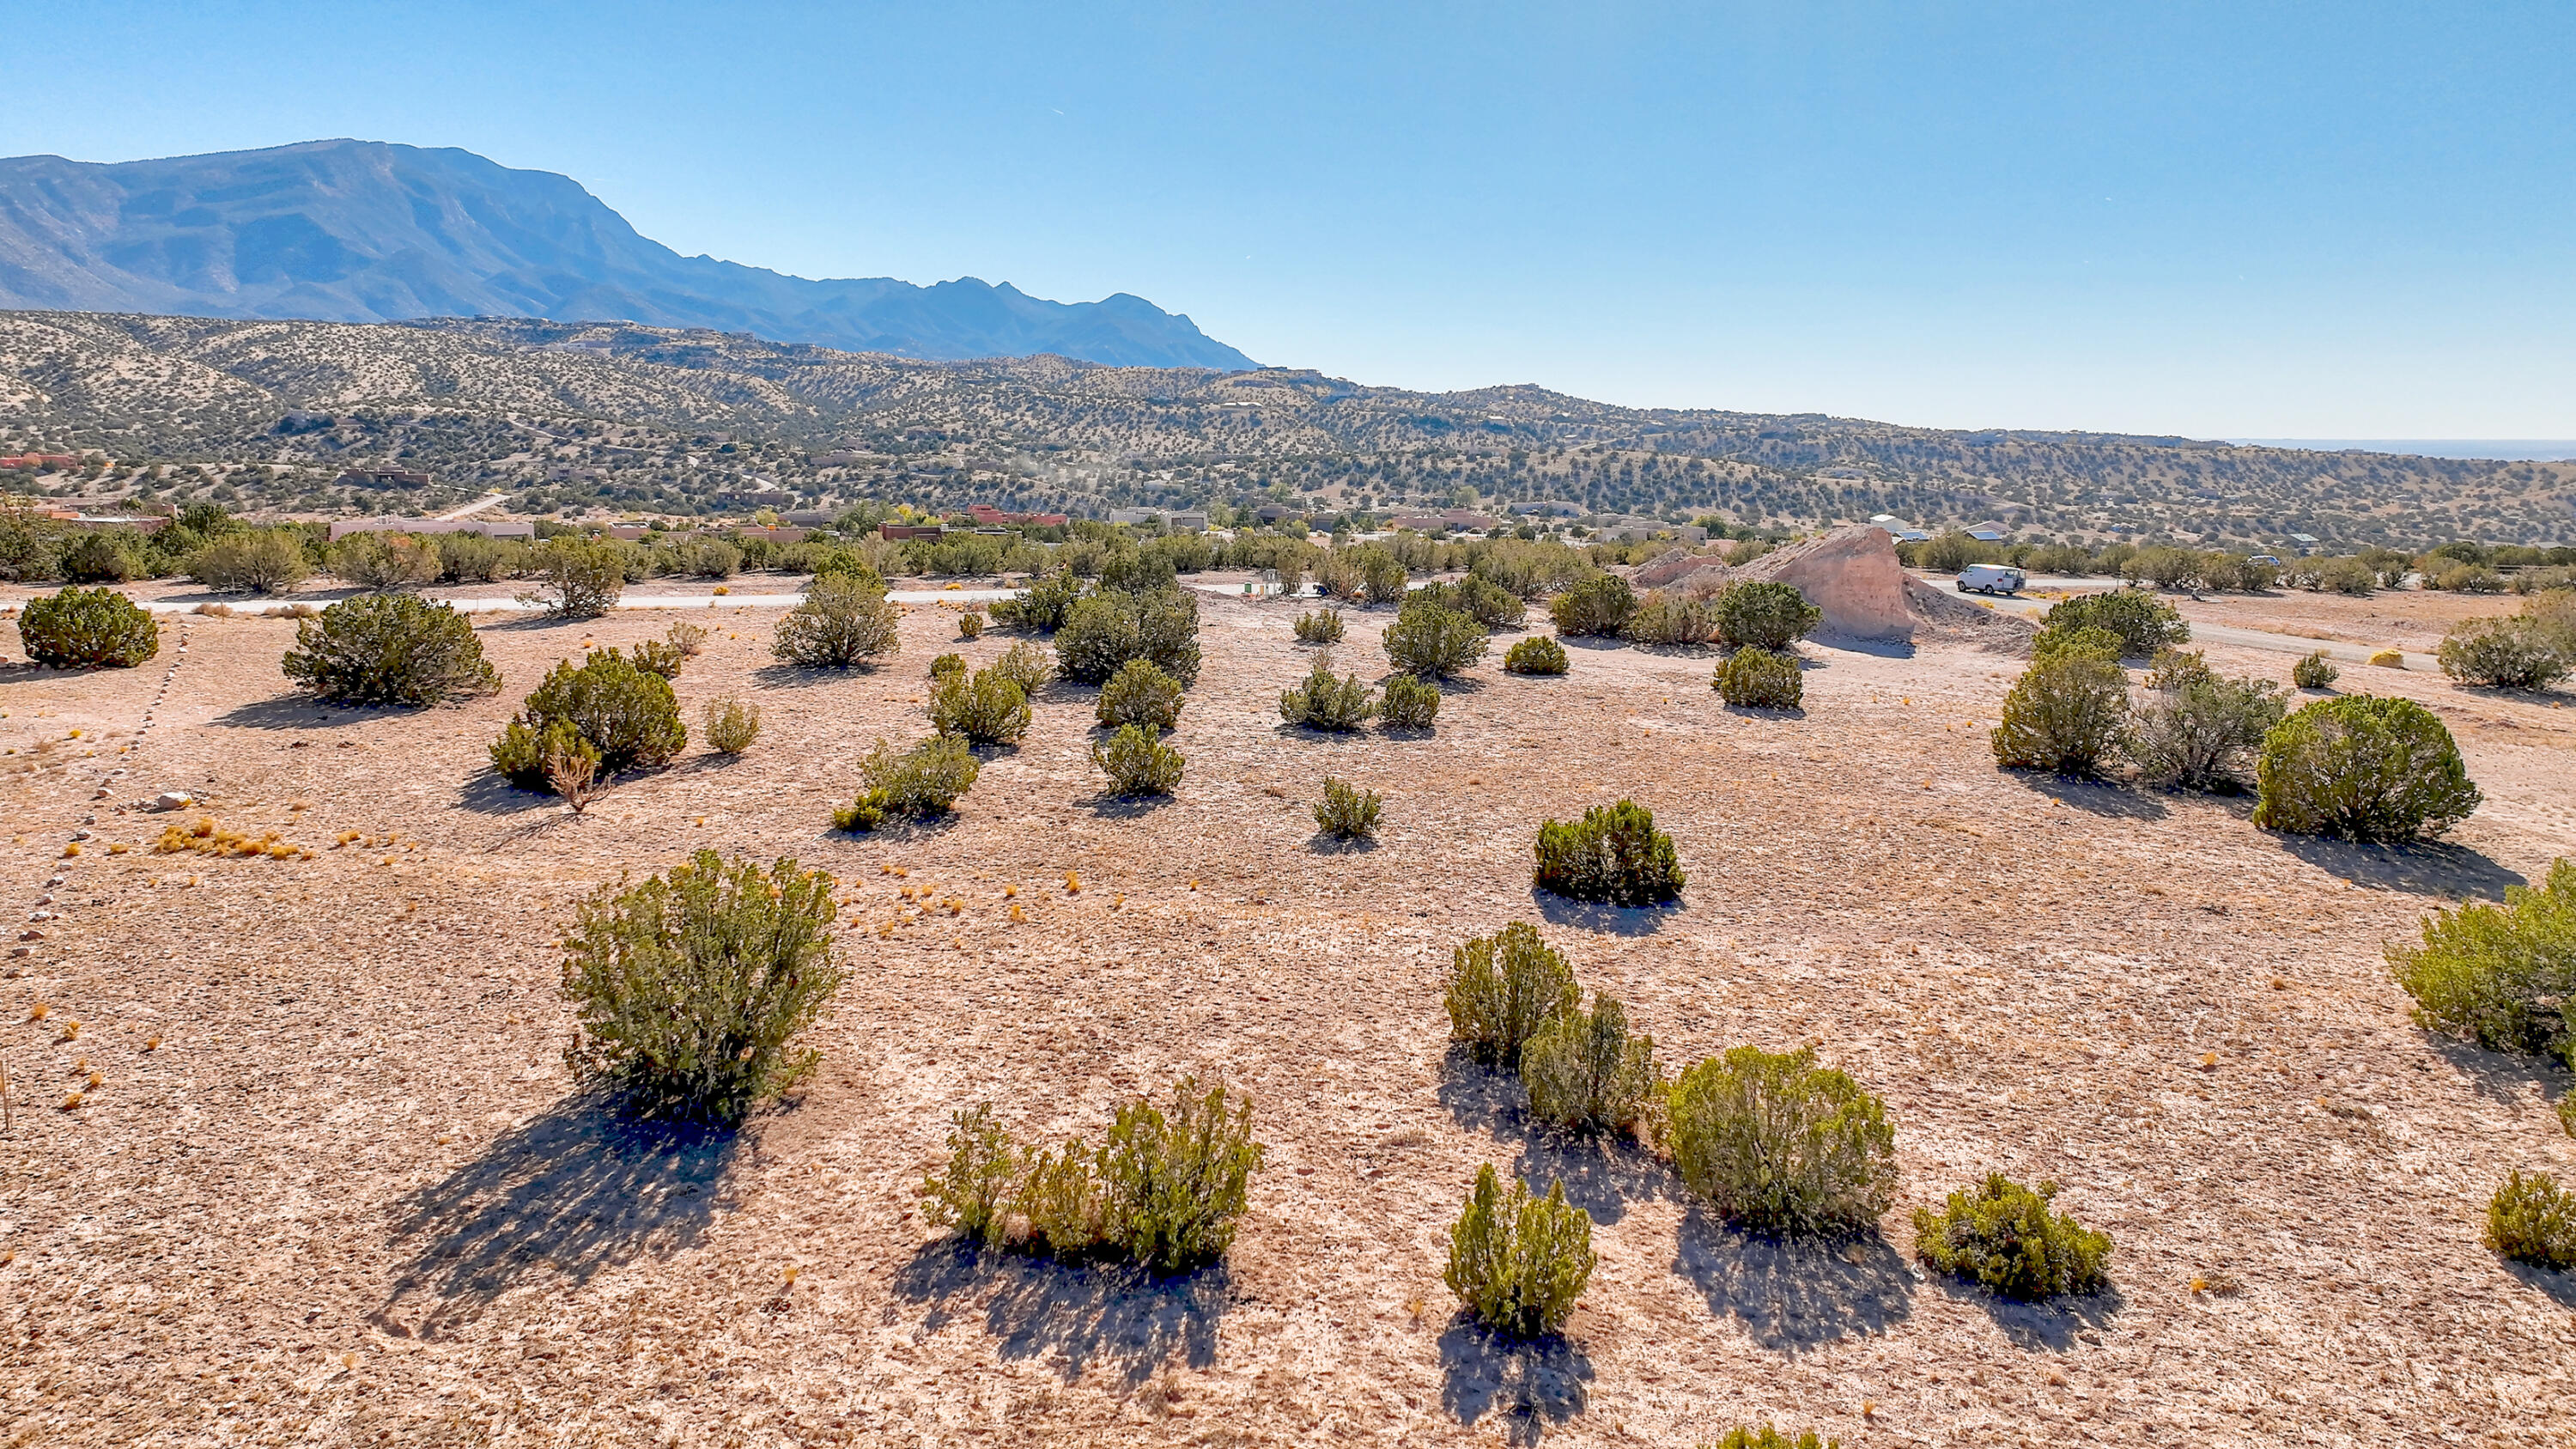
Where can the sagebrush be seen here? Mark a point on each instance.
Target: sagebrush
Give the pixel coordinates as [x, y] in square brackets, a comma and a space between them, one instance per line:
[921, 783]
[1137, 762]
[1323, 626]
[846, 620]
[987, 709]
[81, 628]
[1325, 703]
[1519, 1262]
[1586, 1074]
[2005, 1238]
[2533, 1220]
[1140, 693]
[389, 649]
[1614, 854]
[1538, 654]
[1778, 1144]
[1503, 989]
[1409, 703]
[2503, 976]
[1347, 812]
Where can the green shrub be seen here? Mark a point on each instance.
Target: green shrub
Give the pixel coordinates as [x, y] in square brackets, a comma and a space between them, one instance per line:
[689, 990]
[1107, 629]
[2533, 1220]
[2065, 713]
[1431, 642]
[2567, 1113]
[947, 667]
[1025, 665]
[2362, 768]
[1044, 605]
[1140, 694]
[660, 656]
[1326, 703]
[1745, 1436]
[2077, 642]
[921, 783]
[577, 578]
[2003, 1237]
[98, 557]
[1777, 1144]
[732, 725]
[471, 558]
[87, 629]
[1585, 1073]
[2509, 652]
[1764, 614]
[2195, 730]
[1503, 989]
[1368, 573]
[628, 717]
[1668, 620]
[1538, 654]
[1490, 604]
[1758, 678]
[1347, 814]
[1613, 854]
[2144, 622]
[1323, 626]
[1409, 703]
[373, 560]
[1519, 1262]
[686, 640]
[1137, 763]
[2314, 671]
[389, 649]
[845, 620]
[2503, 976]
[262, 561]
[1596, 608]
[2470, 579]
[985, 710]
[970, 625]
[977, 1188]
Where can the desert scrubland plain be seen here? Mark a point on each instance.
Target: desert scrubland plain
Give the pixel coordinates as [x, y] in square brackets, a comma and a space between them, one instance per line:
[335, 1186]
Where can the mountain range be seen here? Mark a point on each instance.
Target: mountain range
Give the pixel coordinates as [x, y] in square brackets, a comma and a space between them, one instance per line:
[363, 231]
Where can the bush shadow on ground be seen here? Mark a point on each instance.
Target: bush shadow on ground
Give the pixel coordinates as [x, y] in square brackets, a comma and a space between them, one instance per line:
[1601, 1175]
[1113, 1315]
[1764, 711]
[301, 712]
[2050, 1326]
[2504, 1078]
[1609, 920]
[1325, 842]
[2093, 797]
[809, 676]
[1532, 1382]
[1875, 648]
[1107, 806]
[576, 1190]
[2560, 1287]
[489, 792]
[531, 620]
[2426, 868]
[1794, 1294]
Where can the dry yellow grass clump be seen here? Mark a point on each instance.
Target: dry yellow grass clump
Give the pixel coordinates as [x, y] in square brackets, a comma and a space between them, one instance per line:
[207, 838]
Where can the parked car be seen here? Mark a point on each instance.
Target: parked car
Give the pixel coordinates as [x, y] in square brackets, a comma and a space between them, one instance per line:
[2265, 558]
[1991, 579]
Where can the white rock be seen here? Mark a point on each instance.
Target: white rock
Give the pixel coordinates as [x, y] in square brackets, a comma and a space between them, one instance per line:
[173, 800]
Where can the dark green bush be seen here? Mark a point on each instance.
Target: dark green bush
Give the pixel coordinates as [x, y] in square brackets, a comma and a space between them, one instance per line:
[1490, 604]
[1504, 989]
[1764, 614]
[921, 783]
[2003, 1237]
[628, 717]
[2144, 622]
[577, 578]
[1044, 606]
[1323, 626]
[2314, 671]
[689, 990]
[258, 561]
[2085, 641]
[1538, 654]
[88, 629]
[2503, 976]
[1326, 703]
[1107, 629]
[970, 625]
[2533, 1220]
[389, 649]
[1756, 678]
[1346, 813]
[1138, 763]
[2509, 652]
[845, 620]
[98, 557]
[1516, 1261]
[2362, 768]
[374, 560]
[1778, 1144]
[985, 710]
[1585, 1073]
[2065, 713]
[1669, 620]
[1409, 703]
[1613, 854]
[660, 656]
[2196, 731]
[1140, 694]
[1432, 642]
[1596, 608]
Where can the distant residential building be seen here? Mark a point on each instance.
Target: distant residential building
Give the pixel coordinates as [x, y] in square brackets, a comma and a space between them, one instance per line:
[1550, 508]
[1179, 520]
[127, 522]
[988, 515]
[894, 531]
[1627, 530]
[1987, 532]
[40, 460]
[486, 527]
[383, 478]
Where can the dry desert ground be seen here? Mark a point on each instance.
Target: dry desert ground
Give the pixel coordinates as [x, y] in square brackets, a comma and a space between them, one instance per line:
[334, 1186]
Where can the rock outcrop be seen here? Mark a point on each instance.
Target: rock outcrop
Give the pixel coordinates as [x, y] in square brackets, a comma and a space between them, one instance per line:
[1852, 574]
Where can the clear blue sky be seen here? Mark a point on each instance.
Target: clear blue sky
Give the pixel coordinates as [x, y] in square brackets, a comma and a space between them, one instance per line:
[2239, 218]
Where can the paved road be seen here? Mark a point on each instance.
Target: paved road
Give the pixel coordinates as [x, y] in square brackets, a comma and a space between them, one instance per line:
[2201, 632]
[506, 605]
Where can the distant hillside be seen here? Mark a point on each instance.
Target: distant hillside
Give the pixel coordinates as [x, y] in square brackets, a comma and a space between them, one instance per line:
[633, 417]
[359, 231]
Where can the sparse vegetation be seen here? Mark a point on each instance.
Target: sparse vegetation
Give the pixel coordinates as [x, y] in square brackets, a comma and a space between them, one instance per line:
[660, 656]
[1585, 1073]
[1756, 678]
[987, 709]
[2143, 622]
[2004, 1238]
[1538, 654]
[1596, 608]
[1107, 629]
[2533, 1220]
[389, 649]
[846, 620]
[1614, 854]
[1137, 762]
[577, 578]
[1026, 665]
[685, 639]
[2194, 730]
[627, 716]
[1044, 606]
[1519, 1262]
[970, 624]
[1764, 614]
[732, 724]
[2065, 713]
[2503, 976]
[1409, 703]
[946, 667]
[922, 783]
[1763, 1436]
[1140, 694]
[2362, 768]
[1778, 1144]
[257, 561]
[1503, 989]
[1322, 626]
[2315, 671]
[689, 990]
[2511, 652]
[374, 560]
[1326, 703]
[81, 628]
[1347, 813]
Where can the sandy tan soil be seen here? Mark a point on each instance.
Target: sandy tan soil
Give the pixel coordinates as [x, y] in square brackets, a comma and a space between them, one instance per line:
[2413, 620]
[350, 1198]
